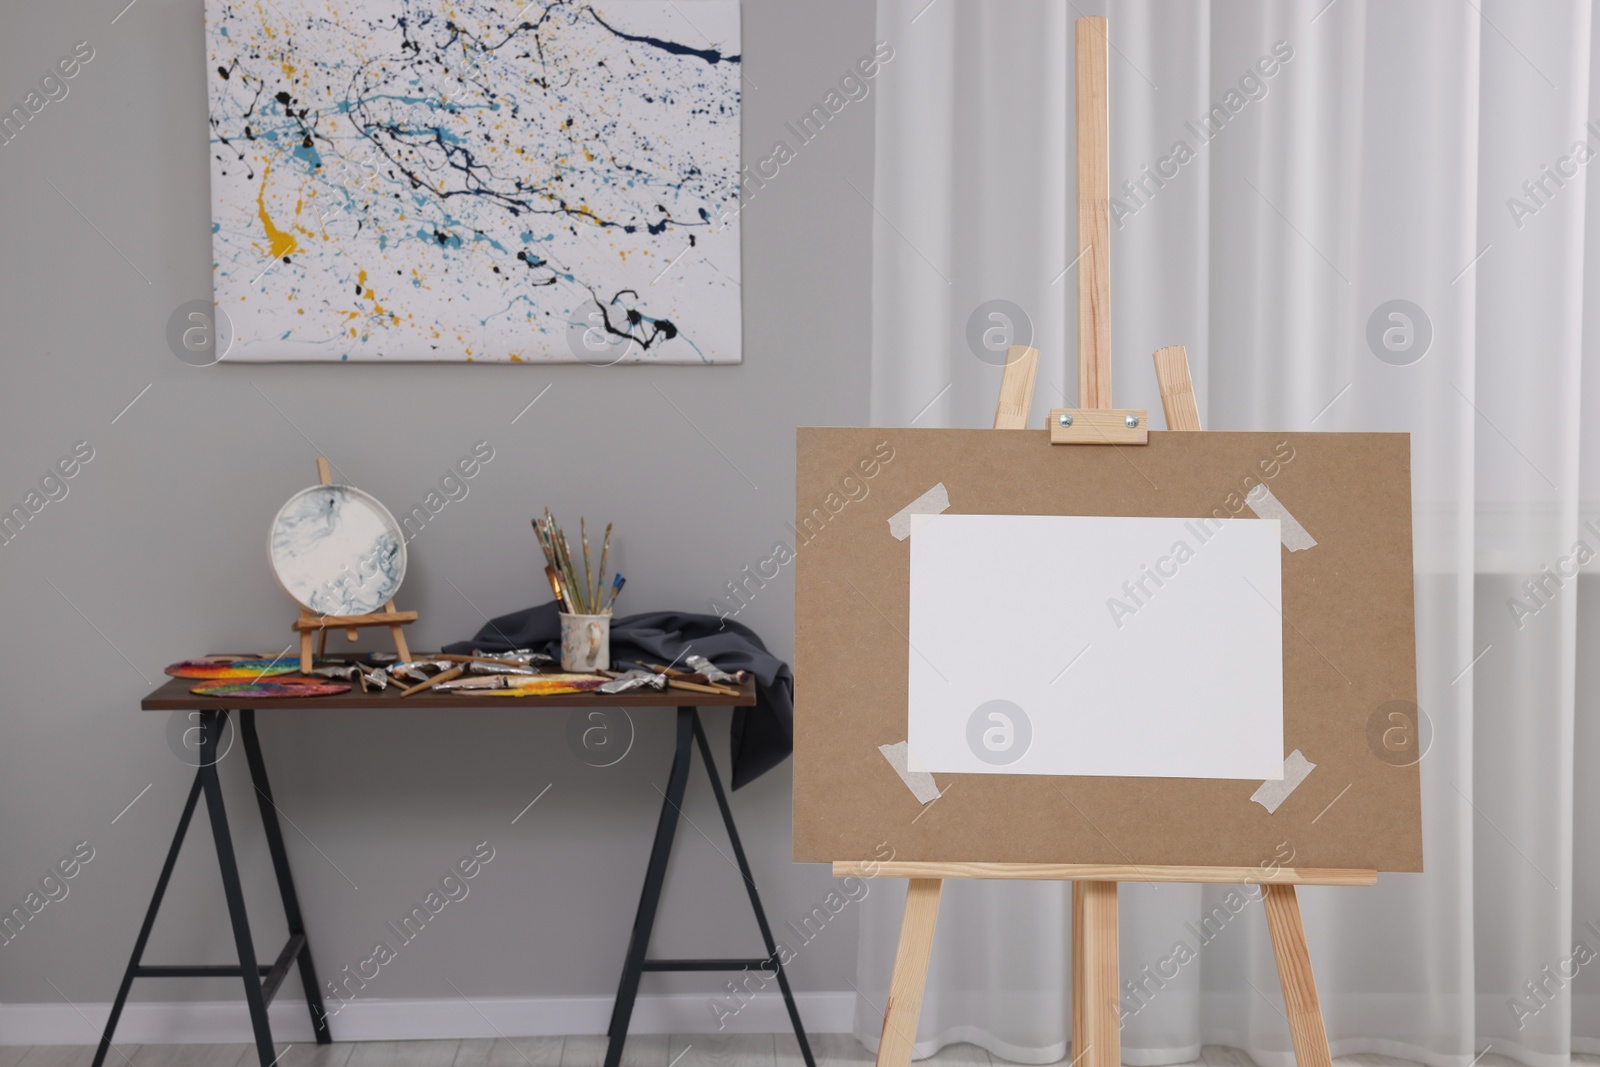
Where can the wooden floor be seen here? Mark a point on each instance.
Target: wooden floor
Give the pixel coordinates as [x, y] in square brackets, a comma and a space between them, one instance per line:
[644, 1050]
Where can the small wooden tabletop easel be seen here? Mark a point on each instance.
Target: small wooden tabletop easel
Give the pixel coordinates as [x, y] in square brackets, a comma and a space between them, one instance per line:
[1096, 1024]
[308, 624]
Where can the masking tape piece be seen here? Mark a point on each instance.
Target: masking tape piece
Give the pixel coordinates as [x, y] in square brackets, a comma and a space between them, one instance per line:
[1272, 794]
[1266, 506]
[932, 502]
[919, 782]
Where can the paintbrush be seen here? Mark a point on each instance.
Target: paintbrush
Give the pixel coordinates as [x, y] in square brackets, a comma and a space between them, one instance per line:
[600, 576]
[616, 587]
[442, 676]
[590, 593]
[568, 574]
[544, 543]
[689, 677]
[555, 587]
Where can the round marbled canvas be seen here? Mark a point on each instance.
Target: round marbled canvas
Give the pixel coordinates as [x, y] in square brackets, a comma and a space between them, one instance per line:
[337, 550]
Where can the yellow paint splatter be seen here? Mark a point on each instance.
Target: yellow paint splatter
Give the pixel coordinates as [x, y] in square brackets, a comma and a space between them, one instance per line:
[279, 243]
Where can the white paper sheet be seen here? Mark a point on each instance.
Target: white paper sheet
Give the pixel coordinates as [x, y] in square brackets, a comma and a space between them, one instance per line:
[1142, 647]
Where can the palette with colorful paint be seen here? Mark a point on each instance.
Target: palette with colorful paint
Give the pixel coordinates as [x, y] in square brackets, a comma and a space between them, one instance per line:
[270, 690]
[220, 669]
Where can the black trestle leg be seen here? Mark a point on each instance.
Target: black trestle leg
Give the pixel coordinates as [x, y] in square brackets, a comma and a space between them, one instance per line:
[149, 922]
[211, 725]
[655, 877]
[690, 732]
[750, 887]
[260, 983]
[280, 865]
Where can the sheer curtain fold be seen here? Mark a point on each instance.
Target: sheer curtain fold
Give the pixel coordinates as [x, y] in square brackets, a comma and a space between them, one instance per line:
[1426, 160]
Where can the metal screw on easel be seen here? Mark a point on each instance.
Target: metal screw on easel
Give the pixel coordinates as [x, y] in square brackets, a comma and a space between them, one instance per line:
[1066, 420]
[1131, 422]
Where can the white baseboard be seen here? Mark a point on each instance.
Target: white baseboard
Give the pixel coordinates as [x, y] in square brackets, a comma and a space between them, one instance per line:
[227, 1022]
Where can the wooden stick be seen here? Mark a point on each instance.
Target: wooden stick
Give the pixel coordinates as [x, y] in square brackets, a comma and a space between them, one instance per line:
[1096, 1025]
[1306, 1030]
[1096, 1028]
[310, 622]
[910, 973]
[1094, 217]
[324, 473]
[397, 632]
[1016, 388]
[442, 676]
[1177, 388]
[600, 576]
[696, 687]
[588, 575]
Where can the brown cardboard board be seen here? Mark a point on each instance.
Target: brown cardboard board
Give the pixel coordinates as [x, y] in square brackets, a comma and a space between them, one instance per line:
[1349, 650]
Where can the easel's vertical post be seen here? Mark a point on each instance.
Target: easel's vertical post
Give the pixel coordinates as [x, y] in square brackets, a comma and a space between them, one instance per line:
[1094, 217]
[1096, 1023]
[1096, 1027]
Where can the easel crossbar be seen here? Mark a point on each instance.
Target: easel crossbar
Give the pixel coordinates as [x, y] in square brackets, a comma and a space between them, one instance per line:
[1101, 872]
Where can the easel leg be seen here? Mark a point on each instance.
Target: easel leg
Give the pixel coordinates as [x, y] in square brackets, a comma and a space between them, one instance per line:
[280, 865]
[149, 922]
[399, 635]
[306, 660]
[650, 898]
[212, 723]
[904, 1005]
[1294, 974]
[1096, 1026]
[750, 887]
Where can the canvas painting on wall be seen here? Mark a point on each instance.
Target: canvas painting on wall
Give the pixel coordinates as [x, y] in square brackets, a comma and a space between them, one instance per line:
[422, 180]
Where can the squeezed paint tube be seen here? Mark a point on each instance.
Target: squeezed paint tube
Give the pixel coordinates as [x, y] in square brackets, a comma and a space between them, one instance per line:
[711, 672]
[634, 679]
[507, 667]
[493, 681]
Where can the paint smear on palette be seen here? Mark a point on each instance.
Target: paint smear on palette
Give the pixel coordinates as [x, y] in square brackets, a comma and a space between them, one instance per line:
[467, 180]
[243, 668]
[269, 690]
[550, 685]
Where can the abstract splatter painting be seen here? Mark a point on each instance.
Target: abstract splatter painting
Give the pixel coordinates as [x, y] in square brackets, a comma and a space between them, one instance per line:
[548, 181]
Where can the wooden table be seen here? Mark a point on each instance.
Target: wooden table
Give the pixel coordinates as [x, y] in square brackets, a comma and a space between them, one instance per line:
[209, 715]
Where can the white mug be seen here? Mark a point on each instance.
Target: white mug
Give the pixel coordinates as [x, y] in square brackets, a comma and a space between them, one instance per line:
[585, 643]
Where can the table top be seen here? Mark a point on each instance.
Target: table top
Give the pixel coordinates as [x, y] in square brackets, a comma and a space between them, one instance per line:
[174, 695]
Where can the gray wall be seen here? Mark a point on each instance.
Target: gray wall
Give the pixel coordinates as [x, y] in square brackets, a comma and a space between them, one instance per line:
[158, 550]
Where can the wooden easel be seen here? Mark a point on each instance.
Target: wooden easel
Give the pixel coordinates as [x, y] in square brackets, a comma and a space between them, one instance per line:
[1096, 1026]
[308, 624]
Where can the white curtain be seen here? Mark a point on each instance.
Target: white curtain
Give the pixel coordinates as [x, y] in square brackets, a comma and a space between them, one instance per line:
[1429, 152]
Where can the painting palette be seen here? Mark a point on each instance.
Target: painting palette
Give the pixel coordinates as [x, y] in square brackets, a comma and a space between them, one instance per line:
[337, 551]
[224, 669]
[270, 690]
